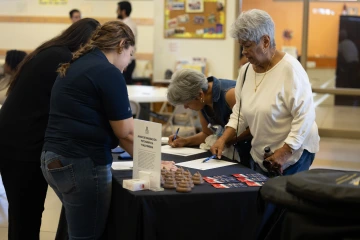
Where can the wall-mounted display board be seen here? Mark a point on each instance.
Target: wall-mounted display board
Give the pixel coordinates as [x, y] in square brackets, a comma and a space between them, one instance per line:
[195, 19]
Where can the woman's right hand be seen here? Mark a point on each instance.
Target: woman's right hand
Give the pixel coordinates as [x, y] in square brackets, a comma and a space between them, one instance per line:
[179, 142]
[218, 147]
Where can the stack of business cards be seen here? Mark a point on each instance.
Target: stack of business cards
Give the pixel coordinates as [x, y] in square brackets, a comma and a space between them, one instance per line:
[251, 179]
[229, 185]
[220, 179]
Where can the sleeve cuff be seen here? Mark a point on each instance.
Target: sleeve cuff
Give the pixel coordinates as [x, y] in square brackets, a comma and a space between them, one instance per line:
[293, 143]
[233, 124]
[119, 117]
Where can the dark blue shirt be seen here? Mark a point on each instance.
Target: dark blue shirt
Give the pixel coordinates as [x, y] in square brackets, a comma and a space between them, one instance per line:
[82, 103]
[221, 111]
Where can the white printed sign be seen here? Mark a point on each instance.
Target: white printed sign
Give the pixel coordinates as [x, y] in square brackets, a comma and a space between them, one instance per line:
[147, 151]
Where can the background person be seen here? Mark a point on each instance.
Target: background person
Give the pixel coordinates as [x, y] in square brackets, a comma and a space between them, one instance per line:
[23, 120]
[75, 15]
[123, 12]
[347, 62]
[12, 60]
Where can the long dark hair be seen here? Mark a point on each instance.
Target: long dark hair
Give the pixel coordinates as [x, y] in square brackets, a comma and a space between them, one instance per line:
[14, 58]
[73, 37]
[106, 38]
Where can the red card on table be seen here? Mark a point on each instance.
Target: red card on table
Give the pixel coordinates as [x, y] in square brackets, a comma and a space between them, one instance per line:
[254, 184]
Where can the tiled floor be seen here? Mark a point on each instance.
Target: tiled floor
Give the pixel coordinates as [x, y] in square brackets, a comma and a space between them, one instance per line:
[50, 216]
[338, 153]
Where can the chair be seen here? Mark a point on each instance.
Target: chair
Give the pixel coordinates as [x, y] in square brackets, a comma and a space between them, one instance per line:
[180, 118]
[135, 109]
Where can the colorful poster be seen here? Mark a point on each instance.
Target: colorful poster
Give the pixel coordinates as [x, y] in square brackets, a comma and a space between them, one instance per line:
[194, 6]
[176, 5]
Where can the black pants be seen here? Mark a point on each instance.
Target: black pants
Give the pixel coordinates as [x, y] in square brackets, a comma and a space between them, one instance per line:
[128, 72]
[62, 231]
[26, 190]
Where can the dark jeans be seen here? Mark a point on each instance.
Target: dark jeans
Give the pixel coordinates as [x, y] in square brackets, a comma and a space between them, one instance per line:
[129, 71]
[84, 188]
[26, 190]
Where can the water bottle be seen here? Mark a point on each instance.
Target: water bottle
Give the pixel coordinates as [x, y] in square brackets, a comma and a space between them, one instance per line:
[268, 152]
[273, 169]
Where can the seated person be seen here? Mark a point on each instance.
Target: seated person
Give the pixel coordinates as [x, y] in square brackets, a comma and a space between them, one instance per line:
[213, 99]
[12, 60]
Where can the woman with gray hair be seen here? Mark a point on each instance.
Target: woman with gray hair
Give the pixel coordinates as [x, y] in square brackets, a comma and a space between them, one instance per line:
[213, 98]
[274, 99]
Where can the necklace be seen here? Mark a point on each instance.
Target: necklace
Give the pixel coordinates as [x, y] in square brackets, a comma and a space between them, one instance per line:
[257, 85]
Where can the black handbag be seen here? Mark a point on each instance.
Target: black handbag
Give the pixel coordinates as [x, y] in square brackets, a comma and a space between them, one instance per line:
[243, 146]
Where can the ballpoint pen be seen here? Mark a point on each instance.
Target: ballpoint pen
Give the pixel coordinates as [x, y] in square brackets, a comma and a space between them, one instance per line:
[209, 158]
[177, 132]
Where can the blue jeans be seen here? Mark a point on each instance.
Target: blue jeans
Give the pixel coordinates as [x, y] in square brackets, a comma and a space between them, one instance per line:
[84, 190]
[303, 164]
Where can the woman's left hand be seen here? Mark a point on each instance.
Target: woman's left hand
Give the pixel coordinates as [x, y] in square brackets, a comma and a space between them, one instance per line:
[280, 157]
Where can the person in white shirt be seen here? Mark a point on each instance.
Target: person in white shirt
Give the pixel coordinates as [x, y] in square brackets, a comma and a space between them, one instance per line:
[123, 11]
[275, 102]
[12, 60]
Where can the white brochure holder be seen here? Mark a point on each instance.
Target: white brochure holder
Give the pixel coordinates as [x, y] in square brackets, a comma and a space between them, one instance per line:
[147, 153]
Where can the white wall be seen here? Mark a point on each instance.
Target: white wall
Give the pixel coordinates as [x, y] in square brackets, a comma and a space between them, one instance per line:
[30, 35]
[220, 54]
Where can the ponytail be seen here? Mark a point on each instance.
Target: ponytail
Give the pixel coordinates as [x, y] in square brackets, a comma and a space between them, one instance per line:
[82, 51]
[89, 46]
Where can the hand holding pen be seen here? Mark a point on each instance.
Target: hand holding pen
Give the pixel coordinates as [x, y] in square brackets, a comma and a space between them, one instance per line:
[177, 132]
[176, 141]
[209, 158]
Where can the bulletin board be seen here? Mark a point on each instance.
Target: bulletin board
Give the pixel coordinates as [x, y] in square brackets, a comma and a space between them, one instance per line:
[203, 19]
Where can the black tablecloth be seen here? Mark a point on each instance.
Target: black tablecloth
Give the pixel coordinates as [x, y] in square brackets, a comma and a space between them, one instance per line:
[205, 213]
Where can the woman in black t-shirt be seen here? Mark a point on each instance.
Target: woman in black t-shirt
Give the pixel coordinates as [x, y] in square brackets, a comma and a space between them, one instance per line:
[23, 120]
